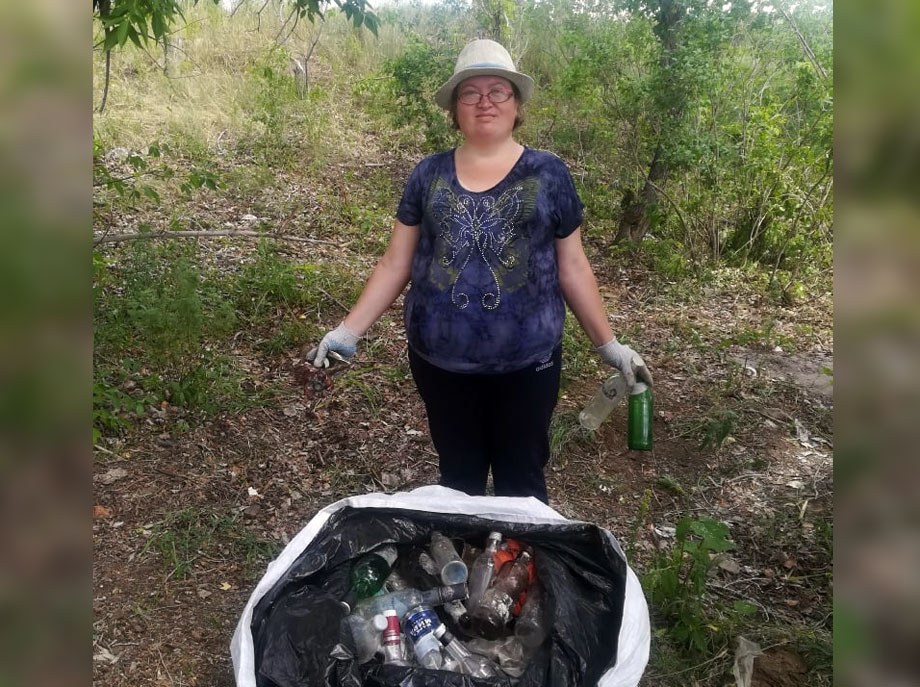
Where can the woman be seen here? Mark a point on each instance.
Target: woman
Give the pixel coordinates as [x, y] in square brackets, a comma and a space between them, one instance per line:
[489, 234]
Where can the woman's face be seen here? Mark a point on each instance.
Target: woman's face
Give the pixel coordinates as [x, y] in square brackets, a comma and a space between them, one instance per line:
[486, 119]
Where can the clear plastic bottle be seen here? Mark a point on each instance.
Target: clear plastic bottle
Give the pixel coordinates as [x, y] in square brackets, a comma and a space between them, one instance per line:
[471, 664]
[404, 600]
[639, 425]
[530, 626]
[455, 609]
[367, 633]
[420, 623]
[394, 650]
[368, 573]
[494, 610]
[453, 569]
[483, 569]
[507, 652]
[610, 393]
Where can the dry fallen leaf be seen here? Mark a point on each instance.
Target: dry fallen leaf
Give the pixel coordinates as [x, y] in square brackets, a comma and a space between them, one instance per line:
[102, 512]
[226, 586]
[112, 476]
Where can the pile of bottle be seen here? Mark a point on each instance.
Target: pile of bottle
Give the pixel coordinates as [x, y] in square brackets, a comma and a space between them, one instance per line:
[490, 597]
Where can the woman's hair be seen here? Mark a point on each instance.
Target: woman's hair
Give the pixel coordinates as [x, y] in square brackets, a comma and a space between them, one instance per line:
[518, 118]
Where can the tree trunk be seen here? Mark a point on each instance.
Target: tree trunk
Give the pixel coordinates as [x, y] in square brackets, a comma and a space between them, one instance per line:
[104, 7]
[105, 88]
[636, 218]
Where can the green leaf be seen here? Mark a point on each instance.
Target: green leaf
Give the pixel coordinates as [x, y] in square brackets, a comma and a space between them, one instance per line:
[111, 40]
[135, 38]
[682, 529]
[122, 32]
[158, 25]
[370, 21]
[713, 533]
[151, 193]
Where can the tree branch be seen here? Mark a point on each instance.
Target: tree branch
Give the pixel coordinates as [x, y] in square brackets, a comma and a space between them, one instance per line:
[134, 236]
[281, 30]
[673, 204]
[105, 88]
[259, 16]
[805, 46]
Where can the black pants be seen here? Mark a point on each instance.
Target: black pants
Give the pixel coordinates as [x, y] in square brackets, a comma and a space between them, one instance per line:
[497, 421]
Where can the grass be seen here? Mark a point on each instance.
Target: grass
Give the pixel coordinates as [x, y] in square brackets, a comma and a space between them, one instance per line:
[566, 433]
[358, 378]
[184, 536]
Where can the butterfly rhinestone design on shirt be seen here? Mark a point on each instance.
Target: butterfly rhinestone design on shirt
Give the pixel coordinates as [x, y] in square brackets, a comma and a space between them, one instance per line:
[482, 229]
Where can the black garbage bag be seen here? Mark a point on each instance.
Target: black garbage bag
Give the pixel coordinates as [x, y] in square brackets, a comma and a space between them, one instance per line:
[292, 634]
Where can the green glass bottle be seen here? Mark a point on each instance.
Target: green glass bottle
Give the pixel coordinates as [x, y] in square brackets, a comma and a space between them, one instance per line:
[639, 425]
[368, 574]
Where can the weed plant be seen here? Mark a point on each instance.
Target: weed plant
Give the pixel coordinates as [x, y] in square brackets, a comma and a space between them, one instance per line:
[157, 322]
[565, 434]
[675, 581]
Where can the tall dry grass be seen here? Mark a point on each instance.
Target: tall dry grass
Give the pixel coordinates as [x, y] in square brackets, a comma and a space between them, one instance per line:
[230, 84]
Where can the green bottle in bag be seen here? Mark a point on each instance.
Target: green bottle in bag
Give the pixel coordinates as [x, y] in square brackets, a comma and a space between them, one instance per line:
[368, 574]
[639, 424]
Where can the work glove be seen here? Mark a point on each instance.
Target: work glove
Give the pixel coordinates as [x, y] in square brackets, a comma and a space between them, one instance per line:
[626, 360]
[340, 340]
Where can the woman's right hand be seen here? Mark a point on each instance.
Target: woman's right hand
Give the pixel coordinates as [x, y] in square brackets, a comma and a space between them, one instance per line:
[340, 340]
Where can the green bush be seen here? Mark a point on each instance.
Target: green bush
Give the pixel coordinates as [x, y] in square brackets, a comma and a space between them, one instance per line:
[676, 580]
[416, 75]
[155, 321]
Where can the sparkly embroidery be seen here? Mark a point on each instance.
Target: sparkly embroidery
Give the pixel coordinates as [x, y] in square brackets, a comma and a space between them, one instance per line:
[483, 229]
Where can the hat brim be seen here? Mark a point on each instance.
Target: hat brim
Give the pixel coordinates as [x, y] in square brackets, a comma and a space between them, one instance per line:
[523, 82]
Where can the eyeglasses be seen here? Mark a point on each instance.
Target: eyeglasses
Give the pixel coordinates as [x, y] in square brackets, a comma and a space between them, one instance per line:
[496, 96]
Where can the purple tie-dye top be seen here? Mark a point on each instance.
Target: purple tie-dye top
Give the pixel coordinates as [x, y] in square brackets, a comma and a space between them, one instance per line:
[485, 293]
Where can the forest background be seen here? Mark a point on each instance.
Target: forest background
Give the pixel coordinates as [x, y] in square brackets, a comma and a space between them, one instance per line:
[247, 164]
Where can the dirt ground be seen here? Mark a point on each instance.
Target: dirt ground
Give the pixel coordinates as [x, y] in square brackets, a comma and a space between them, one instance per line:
[186, 521]
[188, 512]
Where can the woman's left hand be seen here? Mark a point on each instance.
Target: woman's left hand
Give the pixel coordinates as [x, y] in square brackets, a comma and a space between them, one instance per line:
[626, 360]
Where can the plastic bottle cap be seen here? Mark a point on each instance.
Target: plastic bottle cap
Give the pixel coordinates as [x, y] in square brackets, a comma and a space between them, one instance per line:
[453, 592]
[380, 621]
[454, 572]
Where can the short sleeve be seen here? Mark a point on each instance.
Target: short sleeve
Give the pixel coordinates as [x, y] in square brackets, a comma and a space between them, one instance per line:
[412, 203]
[569, 212]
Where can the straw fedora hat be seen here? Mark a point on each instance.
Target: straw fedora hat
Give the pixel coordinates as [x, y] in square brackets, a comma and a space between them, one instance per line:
[483, 57]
